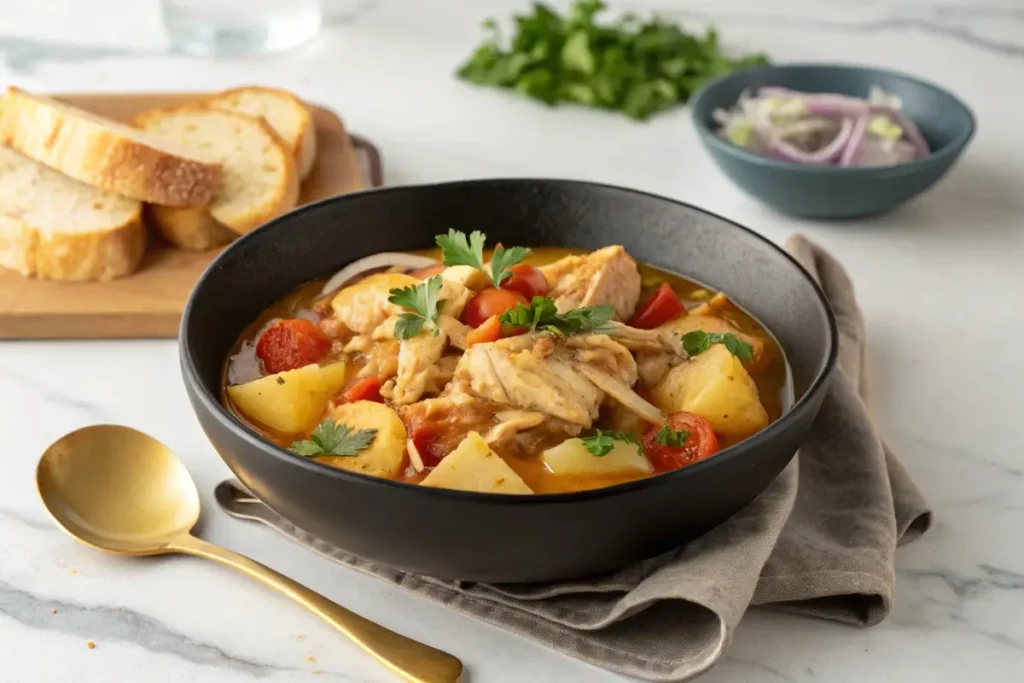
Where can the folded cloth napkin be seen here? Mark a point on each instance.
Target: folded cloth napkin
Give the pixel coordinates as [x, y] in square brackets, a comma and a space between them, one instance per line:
[819, 541]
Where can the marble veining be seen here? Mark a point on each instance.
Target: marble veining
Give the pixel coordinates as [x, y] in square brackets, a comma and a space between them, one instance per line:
[938, 281]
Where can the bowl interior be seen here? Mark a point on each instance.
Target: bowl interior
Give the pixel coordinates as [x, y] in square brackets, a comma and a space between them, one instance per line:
[944, 121]
[316, 240]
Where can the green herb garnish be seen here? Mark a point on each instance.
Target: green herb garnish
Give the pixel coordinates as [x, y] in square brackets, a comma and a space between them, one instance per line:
[457, 250]
[633, 66]
[673, 438]
[698, 341]
[421, 304]
[541, 315]
[331, 438]
[602, 441]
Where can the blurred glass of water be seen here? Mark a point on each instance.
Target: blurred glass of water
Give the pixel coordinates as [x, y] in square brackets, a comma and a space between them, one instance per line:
[236, 28]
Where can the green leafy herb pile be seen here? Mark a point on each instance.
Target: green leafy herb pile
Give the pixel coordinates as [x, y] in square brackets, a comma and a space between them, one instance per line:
[633, 66]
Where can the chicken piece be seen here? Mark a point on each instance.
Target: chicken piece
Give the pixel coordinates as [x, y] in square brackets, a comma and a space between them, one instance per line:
[455, 296]
[469, 277]
[605, 276]
[363, 306]
[535, 372]
[510, 423]
[378, 358]
[657, 351]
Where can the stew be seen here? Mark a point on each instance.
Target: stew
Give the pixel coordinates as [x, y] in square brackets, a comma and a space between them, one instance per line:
[509, 370]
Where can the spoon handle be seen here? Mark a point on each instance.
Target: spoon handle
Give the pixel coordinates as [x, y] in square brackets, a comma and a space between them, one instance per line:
[412, 660]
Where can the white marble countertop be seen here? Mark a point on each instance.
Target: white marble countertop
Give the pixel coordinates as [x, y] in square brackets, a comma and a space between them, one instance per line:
[940, 282]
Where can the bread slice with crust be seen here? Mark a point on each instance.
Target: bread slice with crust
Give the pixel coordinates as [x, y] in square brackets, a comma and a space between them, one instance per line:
[52, 226]
[285, 113]
[104, 153]
[260, 178]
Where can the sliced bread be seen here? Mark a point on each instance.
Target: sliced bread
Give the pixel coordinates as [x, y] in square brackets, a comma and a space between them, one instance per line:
[52, 226]
[285, 113]
[260, 179]
[104, 153]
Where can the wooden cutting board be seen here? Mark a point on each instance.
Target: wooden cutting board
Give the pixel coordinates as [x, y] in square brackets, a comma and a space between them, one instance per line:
[149, 303]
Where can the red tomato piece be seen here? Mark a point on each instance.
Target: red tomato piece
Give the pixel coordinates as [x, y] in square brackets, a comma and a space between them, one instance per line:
[662, 307]
[427, 271]
[428, 445]
[490, 302]
[290, 344]
[363, 390]
[526, 280]
[700, 444]
[488, 332]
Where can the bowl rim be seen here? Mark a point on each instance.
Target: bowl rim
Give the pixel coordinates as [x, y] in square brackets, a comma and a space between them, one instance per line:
[710, 139]
[212, 404]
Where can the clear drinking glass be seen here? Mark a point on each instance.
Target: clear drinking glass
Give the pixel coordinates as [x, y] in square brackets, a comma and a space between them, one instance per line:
[236, 28]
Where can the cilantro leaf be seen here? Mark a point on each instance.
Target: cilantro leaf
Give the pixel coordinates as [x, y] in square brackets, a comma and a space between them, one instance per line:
[541, 315]
[635, 66]
[698, 341]
[421, 304]
[673, 438]
[331, 438]
[459, 250]
[602, 441]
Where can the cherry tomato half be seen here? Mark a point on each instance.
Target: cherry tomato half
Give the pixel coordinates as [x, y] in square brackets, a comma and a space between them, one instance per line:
[700, 444]
[662, 307]
[488, 302]
[290, 344]
[364, 390]
[429, 445]
[526, 280]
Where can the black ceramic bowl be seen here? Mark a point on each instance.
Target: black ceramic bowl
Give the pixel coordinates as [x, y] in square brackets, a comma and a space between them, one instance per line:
[486, 537]
[828, 191]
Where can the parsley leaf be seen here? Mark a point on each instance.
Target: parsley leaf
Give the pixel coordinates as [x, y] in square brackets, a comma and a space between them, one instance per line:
[331, 438]
[638, 67]
[673, 438]
[458, 250]
[602, 441]
[421, 304]
[698, 341]
[541, 315]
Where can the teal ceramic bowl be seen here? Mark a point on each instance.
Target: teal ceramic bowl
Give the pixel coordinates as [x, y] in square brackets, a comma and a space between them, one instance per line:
[830, 192]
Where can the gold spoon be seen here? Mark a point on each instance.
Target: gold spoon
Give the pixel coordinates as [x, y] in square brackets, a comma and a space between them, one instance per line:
[121, 491]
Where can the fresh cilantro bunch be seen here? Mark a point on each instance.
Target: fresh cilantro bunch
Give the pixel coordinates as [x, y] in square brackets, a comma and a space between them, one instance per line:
[421, 305]
[458, 250]
[633, 66]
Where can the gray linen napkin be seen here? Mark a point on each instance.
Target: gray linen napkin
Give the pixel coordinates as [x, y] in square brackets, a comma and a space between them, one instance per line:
[819, 541]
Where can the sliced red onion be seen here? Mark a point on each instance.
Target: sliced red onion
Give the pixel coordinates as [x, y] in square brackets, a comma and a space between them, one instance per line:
[911, 133]
[860, 129]
[825, 155]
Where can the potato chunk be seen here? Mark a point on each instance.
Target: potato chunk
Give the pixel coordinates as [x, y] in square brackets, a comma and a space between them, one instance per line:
[473, 466]
[386, 454]
[364, 305]
[289, 401]
[715, 386]
[712, 323]
[572, 457]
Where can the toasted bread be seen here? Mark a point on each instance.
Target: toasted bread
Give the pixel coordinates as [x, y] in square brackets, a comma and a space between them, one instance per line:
[285, 113]
[260, 177]
[52, 226]
[104, 153]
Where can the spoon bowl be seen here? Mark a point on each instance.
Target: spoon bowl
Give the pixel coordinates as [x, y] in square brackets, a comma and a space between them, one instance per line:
[121, 491]
[118, 490]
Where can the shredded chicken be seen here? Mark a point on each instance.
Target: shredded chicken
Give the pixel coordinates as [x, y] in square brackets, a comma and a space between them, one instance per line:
[657, 351]
[605, 276]
[510, 423]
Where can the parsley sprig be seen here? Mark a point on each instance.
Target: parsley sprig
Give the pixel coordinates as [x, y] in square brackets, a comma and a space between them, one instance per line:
[698, 341]
[638, 67]
[421, 304]
[601, 442]
[541, 315]
[673, 438]
[331, 438]
[458, 250]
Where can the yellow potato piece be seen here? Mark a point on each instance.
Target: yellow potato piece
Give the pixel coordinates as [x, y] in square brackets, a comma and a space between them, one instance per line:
[385, 456]
[289, 401]
[473, 466]
[572, 457]
[711, 323]
[715, 386]
[364, 305]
